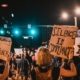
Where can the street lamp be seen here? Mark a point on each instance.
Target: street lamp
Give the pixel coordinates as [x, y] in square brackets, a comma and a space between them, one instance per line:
[4, 5]
[77, 13]
[64, 15]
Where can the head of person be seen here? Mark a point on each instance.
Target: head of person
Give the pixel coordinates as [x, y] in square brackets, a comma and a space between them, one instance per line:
[43, 56]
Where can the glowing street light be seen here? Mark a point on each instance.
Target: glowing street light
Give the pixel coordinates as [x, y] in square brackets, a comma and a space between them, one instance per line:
[16, 32]
[77, 11]
[64, 15]
[2, 32]
[4, 5]
[33, 32]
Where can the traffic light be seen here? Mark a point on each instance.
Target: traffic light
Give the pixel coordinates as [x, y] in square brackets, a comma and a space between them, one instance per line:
[2, 32]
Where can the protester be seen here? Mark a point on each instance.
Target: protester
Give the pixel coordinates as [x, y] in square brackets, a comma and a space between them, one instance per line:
[47, 67]
[43, 69]
[33, 73]
[24, 67]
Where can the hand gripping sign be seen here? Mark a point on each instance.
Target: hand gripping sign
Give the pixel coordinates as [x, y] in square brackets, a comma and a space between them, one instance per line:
[62, 40]
[5, 46]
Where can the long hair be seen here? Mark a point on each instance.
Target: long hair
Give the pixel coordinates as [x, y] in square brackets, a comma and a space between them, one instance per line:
[43, 56]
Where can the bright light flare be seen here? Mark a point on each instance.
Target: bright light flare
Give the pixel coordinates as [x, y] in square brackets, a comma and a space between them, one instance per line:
[33, 32]
[16, 32]
[4, 5]
[64, 15]
[77, 10]
[26, 37]
[2, 32]
[12, 15]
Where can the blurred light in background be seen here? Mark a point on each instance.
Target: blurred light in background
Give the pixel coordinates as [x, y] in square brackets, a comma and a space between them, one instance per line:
[2, 32]
[64, 15]
[77, 10]
[25, 37]
[12, 15]
[29, 26]
[16, 32]
[5, 25]
[8, 32]
[33, 32]
[4, 5]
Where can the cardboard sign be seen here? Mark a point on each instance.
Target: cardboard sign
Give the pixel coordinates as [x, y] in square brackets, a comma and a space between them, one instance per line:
[62, 40]
[77, 47]
[5, 46]
[18, 51]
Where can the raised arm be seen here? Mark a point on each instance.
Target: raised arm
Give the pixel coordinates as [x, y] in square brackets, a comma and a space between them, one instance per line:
[68, 73]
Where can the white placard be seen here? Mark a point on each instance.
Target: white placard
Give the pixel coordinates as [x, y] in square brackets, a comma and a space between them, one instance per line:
[18, 51]
[62, 40]
[77, 47]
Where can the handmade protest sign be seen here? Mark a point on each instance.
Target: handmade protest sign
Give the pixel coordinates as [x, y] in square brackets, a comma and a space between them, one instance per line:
[5, 46]
[77, 47]
[18, 51]
[62, 40]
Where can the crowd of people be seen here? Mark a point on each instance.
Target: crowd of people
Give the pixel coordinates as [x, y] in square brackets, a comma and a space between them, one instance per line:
[41, 65]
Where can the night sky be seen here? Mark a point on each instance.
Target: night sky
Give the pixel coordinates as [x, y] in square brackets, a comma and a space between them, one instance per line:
[37, 11]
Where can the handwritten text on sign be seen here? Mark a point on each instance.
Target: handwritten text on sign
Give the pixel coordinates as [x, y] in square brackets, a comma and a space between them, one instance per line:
[62, 40]
[5, 46]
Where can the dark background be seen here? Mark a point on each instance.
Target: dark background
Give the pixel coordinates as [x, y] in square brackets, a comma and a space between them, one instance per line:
[36, 12]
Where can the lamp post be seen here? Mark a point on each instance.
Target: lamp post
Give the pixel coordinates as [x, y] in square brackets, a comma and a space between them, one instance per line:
[75, 21]
[77, 13]
[65, 15]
